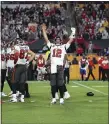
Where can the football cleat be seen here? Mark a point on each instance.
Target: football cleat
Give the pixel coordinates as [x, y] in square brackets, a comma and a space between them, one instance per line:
[3, 94]
[18, 93]
[56, 96]
[66, 95]
[61, 101]
[11, 96]
[53, 101]
[21, 98]
[13, 100]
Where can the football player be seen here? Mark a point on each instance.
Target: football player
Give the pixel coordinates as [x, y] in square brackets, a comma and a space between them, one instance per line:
[21, 52]
[58, 52]
[83, 65]
[10, 66]
[66, 93]
[3, 68]
[40, 67]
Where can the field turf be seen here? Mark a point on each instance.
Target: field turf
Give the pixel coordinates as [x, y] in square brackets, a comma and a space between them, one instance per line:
[79, 109]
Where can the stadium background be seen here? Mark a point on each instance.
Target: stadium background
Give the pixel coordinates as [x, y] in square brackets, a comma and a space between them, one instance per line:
[79, 109]
[59, 17]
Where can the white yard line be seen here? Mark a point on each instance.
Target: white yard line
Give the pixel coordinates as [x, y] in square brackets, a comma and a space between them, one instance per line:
[74, 86]
[99, 86]
[90, 88]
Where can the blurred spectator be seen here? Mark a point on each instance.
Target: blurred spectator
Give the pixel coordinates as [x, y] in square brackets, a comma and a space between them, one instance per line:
[90, 47]
[66, 72]
[95, 60]
[104, 52]
[93, 18]
[99, 36]
[79, 51]
[90, 68]
[22, 22]
[86, 35]
[74, 61]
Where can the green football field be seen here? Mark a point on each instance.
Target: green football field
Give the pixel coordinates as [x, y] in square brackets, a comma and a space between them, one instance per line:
[79, 109]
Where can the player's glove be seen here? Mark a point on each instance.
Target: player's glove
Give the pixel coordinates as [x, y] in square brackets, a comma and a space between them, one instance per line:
[73, 32]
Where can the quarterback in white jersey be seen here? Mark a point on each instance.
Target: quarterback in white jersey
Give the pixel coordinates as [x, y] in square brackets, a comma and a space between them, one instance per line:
[57, 56]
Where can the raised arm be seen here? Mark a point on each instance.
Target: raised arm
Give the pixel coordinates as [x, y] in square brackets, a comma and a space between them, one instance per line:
[72, 36]
[44, 33]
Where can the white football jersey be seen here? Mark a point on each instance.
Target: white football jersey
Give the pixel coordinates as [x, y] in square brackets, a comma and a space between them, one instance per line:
[10, 58]
[3, 59]
[57, 56]
[23, 53]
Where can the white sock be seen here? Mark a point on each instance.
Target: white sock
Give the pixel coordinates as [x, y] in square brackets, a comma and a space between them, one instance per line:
[66, 92]
[14, 96]
[22, 96]
[54, 99]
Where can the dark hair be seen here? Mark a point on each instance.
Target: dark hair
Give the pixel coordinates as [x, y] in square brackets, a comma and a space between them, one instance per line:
[57, 38]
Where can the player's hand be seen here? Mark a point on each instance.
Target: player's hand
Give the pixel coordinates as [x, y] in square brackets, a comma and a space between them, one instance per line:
[43, 27]
[73, 30]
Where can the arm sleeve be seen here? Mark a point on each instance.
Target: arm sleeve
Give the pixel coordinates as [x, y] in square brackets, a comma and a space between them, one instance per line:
[49, 45]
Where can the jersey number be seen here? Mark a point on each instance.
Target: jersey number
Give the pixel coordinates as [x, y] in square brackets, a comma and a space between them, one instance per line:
[10, 57]
[22, 54]
[57, 53]
[2, 57]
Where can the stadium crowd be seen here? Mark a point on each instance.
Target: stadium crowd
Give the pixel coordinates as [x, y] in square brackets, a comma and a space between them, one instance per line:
[16, 22]
[93, 20]
[27, 24]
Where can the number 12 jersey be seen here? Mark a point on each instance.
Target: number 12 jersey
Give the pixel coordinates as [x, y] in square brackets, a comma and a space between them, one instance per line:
[57, 53]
